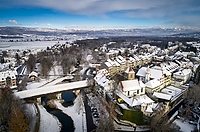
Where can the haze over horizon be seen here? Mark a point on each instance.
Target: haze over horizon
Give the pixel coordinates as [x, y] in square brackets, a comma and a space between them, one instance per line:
[100, 13]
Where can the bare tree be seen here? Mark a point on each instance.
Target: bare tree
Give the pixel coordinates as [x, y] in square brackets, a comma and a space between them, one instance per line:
[193, 94]
[23, 84]
[46, 65]
[17, 57]
[106, 125]
[160, 123]
[31, 63]
[67, 62]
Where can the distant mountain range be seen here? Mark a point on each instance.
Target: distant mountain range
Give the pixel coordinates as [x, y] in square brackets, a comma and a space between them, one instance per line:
[18, 31]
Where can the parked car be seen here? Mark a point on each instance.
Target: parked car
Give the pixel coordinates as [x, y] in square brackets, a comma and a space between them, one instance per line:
[94, 109]
[95, 115]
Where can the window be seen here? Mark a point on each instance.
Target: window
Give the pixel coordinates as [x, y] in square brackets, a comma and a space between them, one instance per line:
[141, 90]
[138, 91]
[131, 75]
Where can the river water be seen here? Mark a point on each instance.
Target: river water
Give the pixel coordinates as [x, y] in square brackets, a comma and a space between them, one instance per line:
[65, 120]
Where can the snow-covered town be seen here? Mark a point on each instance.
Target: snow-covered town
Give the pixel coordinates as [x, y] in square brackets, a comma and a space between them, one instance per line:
[73, 86]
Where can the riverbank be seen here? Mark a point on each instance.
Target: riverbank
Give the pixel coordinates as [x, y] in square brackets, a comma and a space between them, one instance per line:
[76, 112]
[48, 122]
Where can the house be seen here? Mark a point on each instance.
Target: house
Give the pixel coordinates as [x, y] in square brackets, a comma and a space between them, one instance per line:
[8, 78]
[146, 74]
[170, 96]
[153, 85]
[141, 102]
[175, 92]
[103, 83]
[169, 66]
[138, 60]
[132, 62]
[132, 88]
[163, 99]
[33, 76]
[113, 66]
[129, 73]
[155, 79]
[122, 63]
[181, 77]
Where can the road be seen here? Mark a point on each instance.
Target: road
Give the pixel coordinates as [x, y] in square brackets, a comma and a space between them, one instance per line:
[90, 125]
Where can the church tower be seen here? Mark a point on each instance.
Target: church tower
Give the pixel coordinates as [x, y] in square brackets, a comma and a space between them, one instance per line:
[130, 74]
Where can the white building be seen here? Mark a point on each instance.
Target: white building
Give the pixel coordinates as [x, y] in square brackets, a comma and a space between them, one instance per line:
[181, 77]
[8, 78]
[132, 88]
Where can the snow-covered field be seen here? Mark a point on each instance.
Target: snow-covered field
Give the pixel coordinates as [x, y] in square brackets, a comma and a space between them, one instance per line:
[28, 45]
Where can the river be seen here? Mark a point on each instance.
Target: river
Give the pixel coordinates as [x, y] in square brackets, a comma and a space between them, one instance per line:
[65, 120]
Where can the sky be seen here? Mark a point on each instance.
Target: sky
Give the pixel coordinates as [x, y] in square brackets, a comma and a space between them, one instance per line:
[100, 13]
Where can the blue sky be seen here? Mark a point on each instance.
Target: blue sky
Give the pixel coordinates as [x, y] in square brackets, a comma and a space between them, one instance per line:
[100, 13]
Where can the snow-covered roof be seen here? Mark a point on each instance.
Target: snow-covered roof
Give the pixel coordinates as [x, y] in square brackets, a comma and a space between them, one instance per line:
[131, 59]
[120, 59]
[4, 75]
[108, 64]
[162, 96]
[116, 63]
[185, 53]
[183, 72]
[111, 62]
[135, 101]
[153, 83]
[169, 66]
[136, 58]
[101, 80]
[130, 85]
[4, 65]
[178, 53]
[173, 91]
[124, 97]
[33, 73]
[154, 73]
[149, 109]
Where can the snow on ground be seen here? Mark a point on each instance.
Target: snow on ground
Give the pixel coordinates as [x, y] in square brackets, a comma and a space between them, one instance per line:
[56, 70]
[32, 112]
[52, 80]
[48, 122]
[184, 125]
[32, 85]
[84, 66]
[29, 45]
[76, 112]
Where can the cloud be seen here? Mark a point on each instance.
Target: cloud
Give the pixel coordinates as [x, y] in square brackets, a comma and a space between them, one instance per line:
[96, 7]
[148, 9]
[13, 22]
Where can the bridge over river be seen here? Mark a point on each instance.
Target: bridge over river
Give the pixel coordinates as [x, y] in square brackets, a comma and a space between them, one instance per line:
[45, 90]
